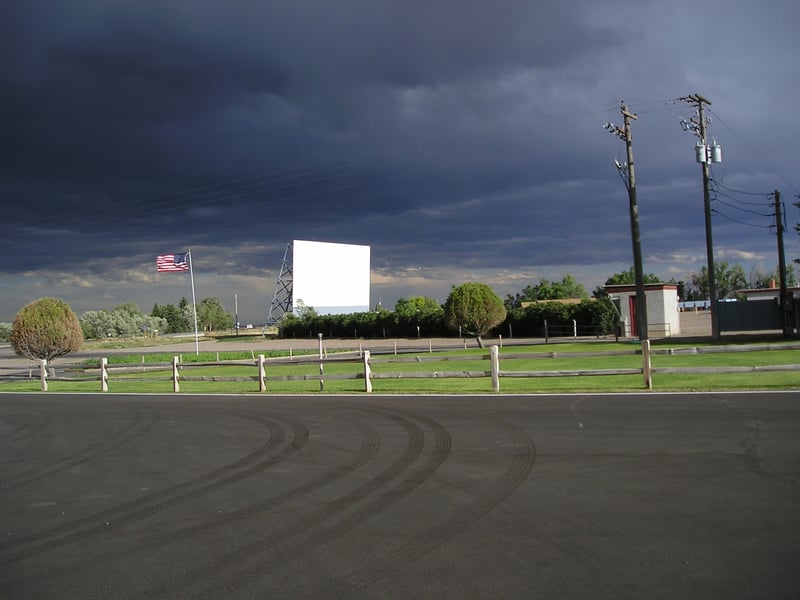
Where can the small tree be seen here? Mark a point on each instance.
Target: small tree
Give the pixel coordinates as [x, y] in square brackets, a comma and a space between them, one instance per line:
[474, 308]
[547, 290]
[416, 307]
[303, 312]
[98, 324]
[625, 278]
[211, 314]
[417, 313]
[729, 279]
[46, 328]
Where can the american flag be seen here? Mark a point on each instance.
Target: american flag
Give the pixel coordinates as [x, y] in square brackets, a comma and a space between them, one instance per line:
[166, 263]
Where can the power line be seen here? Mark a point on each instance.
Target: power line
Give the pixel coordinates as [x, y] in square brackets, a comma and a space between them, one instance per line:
[754, 151]
[714, 211]
[718, 193]
[735, 191]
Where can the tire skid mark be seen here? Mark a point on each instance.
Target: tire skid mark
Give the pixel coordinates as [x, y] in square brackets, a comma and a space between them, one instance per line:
[26, 429]
[369, 446]
[521, 464]
[154, 502]
[441, 450]
[248, 561]
[134, 429]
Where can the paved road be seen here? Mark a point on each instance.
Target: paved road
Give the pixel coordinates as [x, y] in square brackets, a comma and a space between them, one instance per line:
[631, 496]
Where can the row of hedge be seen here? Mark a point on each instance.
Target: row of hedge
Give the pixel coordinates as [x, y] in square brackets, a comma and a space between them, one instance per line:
[593, 317]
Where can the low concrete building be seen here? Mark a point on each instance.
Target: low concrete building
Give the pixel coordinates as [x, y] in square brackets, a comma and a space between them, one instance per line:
[663, 319]
[770, 293]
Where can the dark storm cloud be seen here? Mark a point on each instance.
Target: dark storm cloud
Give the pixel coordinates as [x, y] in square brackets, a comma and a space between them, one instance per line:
[113, 103]
[98, 86]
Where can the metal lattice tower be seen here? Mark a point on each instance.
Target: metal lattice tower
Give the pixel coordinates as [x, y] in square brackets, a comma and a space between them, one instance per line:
[282, 298]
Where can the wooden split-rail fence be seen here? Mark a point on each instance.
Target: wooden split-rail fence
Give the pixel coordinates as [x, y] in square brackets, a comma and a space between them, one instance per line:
[180, 370]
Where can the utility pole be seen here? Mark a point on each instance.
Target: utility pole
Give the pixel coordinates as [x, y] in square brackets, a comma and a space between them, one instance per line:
[785, 301]
[704, 156]
[630, 183]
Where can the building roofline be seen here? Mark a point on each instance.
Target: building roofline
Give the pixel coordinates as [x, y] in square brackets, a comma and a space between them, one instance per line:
[629, 287]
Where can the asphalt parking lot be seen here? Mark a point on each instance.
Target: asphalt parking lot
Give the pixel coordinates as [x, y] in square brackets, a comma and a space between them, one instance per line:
[631, 496]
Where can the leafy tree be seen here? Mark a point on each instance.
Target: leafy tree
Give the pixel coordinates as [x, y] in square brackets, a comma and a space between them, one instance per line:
[211, 315]
[101, 324]
[474, 308]
[128, 308]
[289, 325]
[791, 276]
[688, 293]
[547, 290]
[186, 316]
[98, 324]
[598, 317]
[729, 278]
[625, 278]
[178, 318]
[45, 329]
[629, 278]
[5, 332]
[759, 279]
[303, 312]
[417, 315]
[594, 317]
[417, 306]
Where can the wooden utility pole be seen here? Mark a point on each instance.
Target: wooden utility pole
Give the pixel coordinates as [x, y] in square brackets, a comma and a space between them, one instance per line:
[699, 127]
[633, 207]
[785, 300]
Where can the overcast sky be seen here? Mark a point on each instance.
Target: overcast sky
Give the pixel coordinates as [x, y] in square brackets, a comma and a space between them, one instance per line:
[461, 140]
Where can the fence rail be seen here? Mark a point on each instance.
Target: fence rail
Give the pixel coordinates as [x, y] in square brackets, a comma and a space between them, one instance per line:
[178, 371]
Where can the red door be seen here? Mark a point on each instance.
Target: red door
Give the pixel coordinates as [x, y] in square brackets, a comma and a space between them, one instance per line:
[634, 320]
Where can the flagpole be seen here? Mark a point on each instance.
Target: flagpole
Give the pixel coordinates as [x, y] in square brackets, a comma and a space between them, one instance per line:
[194, 305]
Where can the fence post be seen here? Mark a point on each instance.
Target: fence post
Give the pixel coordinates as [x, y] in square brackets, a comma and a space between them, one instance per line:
[176, 387]
[500, 339]
[103, 374]
[574, 329]
[430, 346]
[43, 373]
[367, 373]
[647, 368]
[321, 367]
[262, 372]
[494, 358]
[546, 336]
